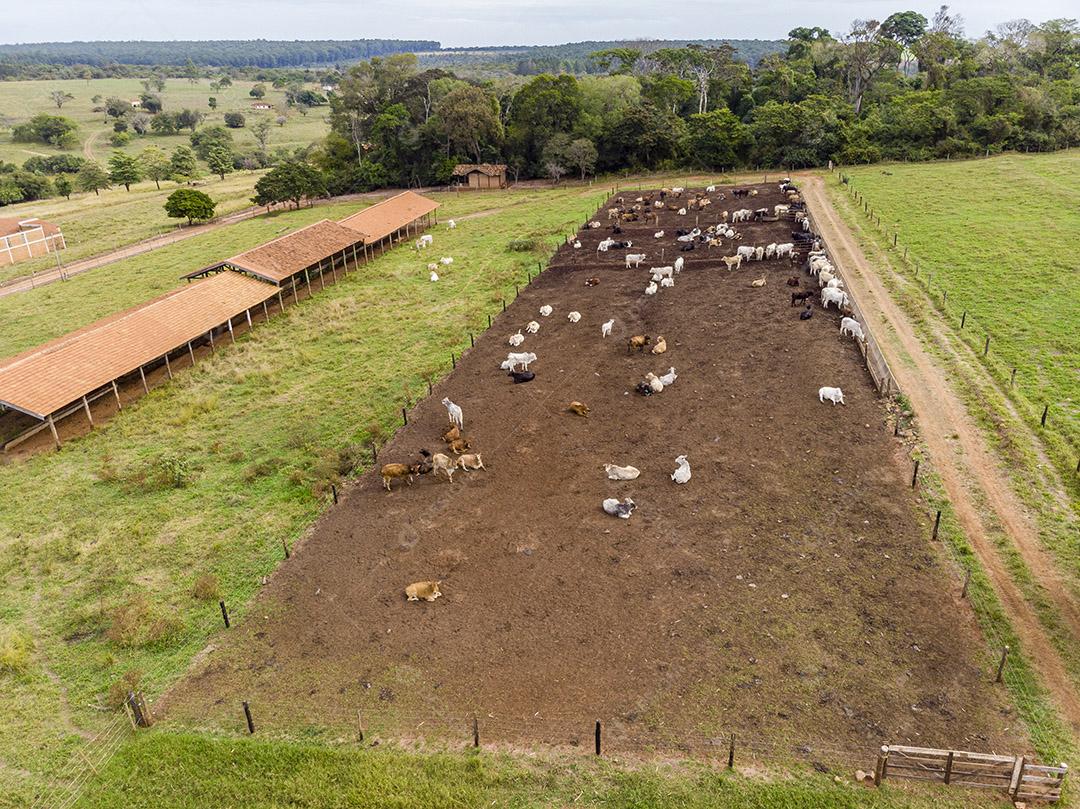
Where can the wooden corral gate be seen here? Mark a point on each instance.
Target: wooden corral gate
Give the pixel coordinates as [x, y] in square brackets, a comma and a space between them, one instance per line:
[1015, 775]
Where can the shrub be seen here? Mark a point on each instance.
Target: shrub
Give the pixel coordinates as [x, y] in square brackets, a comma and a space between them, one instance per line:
[234, 120]
[120, 138]
[174, 471]
[522, 245]
[137, 623]
[15, 650]
[119, 689]
[206, 587]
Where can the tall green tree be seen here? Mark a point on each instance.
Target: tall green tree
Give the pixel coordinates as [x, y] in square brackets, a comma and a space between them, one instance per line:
[220, 160]
[92, 177]
[290, 181]
[63, 186]
[60, 97]
[183, 164]
[187, 203]
[155, 164]
[468, 117]
[124, 169]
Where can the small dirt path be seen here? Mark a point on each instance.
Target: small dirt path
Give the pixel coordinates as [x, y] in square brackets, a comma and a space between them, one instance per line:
[961, 456]
[88, 145]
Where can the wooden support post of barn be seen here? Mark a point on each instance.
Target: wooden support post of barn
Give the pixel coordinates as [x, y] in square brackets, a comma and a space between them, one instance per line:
[232, 336]
[210, 334]
[168, 367]
[191, 352]
[882, 765]
[142, 376]
[86, 407]
[116, 393]
[52, 429]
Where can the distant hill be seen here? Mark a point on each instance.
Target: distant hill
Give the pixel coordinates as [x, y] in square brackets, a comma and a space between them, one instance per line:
[223, 52]
[573, 57]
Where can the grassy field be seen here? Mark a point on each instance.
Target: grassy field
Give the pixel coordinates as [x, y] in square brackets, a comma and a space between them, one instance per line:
[21, 100]
[997, 236]
[97, 224]
[255, 774]
[101, 581]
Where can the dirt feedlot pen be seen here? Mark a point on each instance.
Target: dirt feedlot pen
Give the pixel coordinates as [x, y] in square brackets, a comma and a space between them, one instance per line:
[788, 592]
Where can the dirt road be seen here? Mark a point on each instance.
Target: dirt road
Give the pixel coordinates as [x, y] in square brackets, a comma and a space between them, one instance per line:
[961, 456]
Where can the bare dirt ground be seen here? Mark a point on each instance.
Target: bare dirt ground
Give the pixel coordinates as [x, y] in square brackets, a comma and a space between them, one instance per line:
[961, 456]
[788, 592]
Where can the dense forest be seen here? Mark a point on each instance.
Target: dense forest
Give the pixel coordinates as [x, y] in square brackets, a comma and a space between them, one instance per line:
[906, 88]
[576, 57]
[222, 53]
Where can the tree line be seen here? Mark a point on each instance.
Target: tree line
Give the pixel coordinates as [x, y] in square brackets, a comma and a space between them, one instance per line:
[905, 88]
[224, 53]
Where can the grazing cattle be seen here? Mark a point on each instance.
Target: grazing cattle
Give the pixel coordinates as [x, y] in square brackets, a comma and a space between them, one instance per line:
[679, 264]
[758, 282]
[806, 313]
[667, 282]
[516, 339]
[634, 259]
[682, 471]
[837, 296]
[604, 244]
[579, 409]
[423, 591]
[521, 376]
[574, 317]
[434, 276]
[654, 382]
[513, 360]
[652, 288]
[472, 462]
[850, 325]
[733, 262]
[545, 310]
[662, 272]
[739, 192]
[458, 445]
[591, 282]
[780, 209]
[451, 224]
[669, 378]
[605, 328]
[532, 327]
[799, 297]
[442, 463]
[793, 281]
[834, 395]
[446, 261]
[747, 252]
[770, 250]
[638, 341]
[392, 471]
[455, 414]
[784, 249]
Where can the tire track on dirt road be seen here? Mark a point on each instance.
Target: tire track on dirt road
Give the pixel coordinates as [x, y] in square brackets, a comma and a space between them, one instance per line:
[962, 458]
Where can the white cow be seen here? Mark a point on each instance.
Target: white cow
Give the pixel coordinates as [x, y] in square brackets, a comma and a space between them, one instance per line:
[634, 259]
[682, 471]
[605, 328]
[679, 264]
[837, 296]
[574, 317]
[850, 325]
[532, 327]
[454, 412]
[514, 359]
[652, 288]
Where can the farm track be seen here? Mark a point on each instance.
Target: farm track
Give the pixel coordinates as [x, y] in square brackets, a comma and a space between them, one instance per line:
[962, 458]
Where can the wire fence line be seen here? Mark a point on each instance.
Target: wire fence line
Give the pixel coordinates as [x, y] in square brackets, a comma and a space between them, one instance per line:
[979, 337]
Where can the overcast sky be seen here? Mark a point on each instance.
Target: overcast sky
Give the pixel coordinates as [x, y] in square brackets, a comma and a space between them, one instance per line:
[473, 22]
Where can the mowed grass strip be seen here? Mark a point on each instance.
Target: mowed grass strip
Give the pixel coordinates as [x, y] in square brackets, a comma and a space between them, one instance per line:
[178, 770]
[999, 236]
[104, 541]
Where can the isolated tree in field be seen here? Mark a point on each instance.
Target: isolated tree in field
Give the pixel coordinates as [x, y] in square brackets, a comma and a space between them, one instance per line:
[63, 186]
[214, 87]
[164, 123]
[220, 161]
[54, 130]
[92, 177]
[191, 72]
[212, 103]
[469, 119]
[155, 164]
[235, 120]
[281, 120]
[183, 164]
[140, 122]
[208, 137]
[60, 97]
[187, 203]
[581, 154]
[258, 91]
[158, 82]
[224, 81]
[124, 169]
[261, 132]
[188, 119]
[291, 181]
[116, 107]
[151, 103]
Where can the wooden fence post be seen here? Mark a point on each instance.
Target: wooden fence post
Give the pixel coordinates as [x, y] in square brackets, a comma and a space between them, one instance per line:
[360, 725]
[986, 348]
[963, 319]
[247, 716]
[333, 491]
[374, 453]
[475, 732]
[1001, 665]
[597, 737]
[967, 581]
[224, 613]
[453, 360]
[285, 547]
[1046, 410]
[404, 416]
[881, 766]
[937, 523]
[948, 767]
[472, 340]
[731, 753]
[489, 321]
[1012, 378]
[915, 474]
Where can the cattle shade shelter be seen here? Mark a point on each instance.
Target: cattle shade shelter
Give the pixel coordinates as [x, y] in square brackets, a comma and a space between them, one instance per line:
[44, 380]
[399, 212]
[481, 175]
[25, 238]
[280, 261]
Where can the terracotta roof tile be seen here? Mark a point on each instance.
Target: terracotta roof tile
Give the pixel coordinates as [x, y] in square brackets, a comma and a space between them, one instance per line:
[383, 218]
[284, 257]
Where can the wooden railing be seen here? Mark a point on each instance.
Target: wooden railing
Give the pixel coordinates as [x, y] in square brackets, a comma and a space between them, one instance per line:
[1018, 777]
